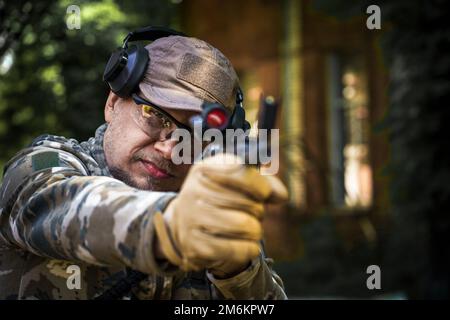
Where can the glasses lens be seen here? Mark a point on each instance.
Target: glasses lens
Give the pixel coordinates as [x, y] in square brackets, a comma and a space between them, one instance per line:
[156, 118]
[156, 125]
[152, 121]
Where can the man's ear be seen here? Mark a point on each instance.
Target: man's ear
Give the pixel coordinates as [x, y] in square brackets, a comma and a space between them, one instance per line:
[110, 104]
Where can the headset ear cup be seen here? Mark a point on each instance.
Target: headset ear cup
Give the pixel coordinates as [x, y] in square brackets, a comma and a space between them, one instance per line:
[125, 70]
[136, 70]
[117, 61]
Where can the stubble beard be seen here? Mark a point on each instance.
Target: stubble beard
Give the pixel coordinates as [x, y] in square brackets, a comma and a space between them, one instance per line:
[150, 184]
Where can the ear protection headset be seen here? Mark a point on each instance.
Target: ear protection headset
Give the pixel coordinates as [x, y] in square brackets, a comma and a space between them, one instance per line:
[127, 65]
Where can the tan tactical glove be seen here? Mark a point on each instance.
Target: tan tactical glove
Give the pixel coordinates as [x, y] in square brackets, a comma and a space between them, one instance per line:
[215, 221]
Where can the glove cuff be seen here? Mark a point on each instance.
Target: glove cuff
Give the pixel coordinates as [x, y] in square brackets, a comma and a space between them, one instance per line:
[165, 240]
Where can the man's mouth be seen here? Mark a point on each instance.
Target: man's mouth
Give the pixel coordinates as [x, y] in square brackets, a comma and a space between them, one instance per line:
[155, 171]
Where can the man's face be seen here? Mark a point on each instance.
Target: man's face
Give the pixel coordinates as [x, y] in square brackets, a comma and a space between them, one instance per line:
[140, 159]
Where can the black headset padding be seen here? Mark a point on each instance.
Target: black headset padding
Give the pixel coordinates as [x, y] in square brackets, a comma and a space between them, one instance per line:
[127, 79]
[116, 63]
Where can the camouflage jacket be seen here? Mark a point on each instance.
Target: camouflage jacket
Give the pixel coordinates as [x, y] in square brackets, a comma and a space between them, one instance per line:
[68, 230]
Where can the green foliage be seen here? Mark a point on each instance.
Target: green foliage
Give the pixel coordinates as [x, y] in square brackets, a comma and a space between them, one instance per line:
[55, 82]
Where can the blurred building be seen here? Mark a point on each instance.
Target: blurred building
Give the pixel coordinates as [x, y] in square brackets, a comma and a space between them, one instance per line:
[329, 78]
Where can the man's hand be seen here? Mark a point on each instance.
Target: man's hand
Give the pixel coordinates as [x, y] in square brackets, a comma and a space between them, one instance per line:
[215, 221]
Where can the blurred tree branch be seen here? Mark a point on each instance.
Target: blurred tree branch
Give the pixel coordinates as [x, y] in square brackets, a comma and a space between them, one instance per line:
[14, 17]
[53, 79]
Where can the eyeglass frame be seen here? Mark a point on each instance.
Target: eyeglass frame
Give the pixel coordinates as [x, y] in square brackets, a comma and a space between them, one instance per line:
[141, 101]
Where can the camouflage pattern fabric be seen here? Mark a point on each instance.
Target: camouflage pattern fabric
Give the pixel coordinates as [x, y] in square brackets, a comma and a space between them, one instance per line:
[59, 206]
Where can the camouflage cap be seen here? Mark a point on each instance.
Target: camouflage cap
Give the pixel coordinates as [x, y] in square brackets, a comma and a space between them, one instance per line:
[184, 72]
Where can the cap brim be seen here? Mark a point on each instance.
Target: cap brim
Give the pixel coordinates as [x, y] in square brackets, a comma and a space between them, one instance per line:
[170, 98]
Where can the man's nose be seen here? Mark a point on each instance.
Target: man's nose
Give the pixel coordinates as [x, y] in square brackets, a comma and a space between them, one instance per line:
[165, 147]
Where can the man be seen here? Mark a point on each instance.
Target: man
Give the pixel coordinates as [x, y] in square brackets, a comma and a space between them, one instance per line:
[114, 217]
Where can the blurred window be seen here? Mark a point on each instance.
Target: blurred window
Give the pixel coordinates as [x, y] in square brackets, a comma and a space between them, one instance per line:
[348, 131]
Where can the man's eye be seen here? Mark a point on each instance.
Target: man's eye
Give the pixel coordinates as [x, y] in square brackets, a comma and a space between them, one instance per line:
[166, 123]
[153, 115]
[146, 111]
